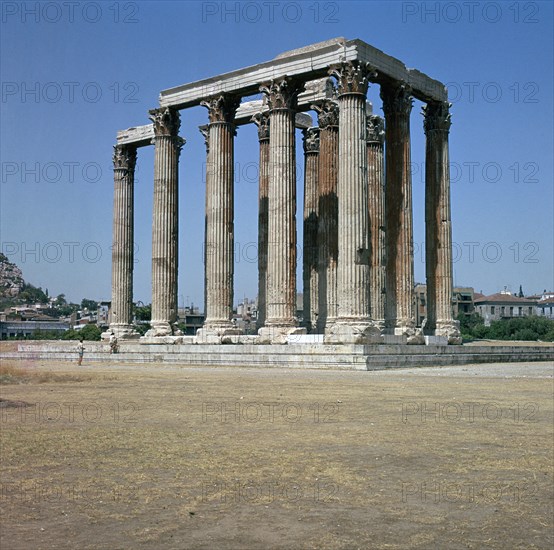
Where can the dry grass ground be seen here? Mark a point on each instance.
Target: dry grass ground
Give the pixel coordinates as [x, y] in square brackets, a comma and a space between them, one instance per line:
[219, 458]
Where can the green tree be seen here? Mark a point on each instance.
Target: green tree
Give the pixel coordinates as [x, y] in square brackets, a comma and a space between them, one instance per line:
[31, 295]
[471, 326]
[91, 305]
[143, 313]
[88, 332]
[60, 300]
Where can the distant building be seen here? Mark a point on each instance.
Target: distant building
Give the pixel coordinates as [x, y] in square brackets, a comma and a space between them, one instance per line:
[26, 329]
[462, 301]
[503, 305]
[248, 309]
[545, 305]
[191, 318]
[103, 314]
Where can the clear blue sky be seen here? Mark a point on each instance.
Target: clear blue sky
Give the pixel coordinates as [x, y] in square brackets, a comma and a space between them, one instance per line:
[71, 79]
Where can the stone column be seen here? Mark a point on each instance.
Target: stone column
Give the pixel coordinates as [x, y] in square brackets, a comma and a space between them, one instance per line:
[204, 130]
[438, 225]
[124, 161]
[327, 228]
[281, 319]
[400, 304]
[309, 255]
[353, 325]
[262, 121]
[219, 241]
[376, 192]
[165, 222]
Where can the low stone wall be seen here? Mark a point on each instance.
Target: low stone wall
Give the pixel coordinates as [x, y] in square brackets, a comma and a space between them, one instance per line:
[354, 357]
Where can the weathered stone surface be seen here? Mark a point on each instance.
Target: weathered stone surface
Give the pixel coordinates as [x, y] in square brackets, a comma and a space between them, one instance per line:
[438, 225]
[262, 121]
[281, 251]
[170, 350]
[400, 305]
[309, 256]
[165, 222]
[138, 136]
[306, 65]
[124, 161]
[219, 240]
[327, 227]
[376, 206]
[353, 323]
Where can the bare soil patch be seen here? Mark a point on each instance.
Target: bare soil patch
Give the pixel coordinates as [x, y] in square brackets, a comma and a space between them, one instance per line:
[167, 457]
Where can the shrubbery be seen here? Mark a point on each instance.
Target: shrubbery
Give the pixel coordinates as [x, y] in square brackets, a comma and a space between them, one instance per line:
[518, 328]
[88, 332]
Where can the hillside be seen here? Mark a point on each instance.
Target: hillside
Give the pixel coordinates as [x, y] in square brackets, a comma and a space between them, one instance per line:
[13, 288]
[11, 278]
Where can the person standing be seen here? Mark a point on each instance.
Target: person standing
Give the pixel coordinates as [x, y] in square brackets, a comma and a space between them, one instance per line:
[81, 351]
[113, 343]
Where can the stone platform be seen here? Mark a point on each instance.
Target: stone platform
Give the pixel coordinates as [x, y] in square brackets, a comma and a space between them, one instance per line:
[307, 356]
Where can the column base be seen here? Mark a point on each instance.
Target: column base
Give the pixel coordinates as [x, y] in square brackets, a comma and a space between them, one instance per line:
[216, 333]
[160, 329]
[278, 334]
[326, 326]
[414, 335]
[380, 324]
[121, 332]
[450, 329]
[353, 332]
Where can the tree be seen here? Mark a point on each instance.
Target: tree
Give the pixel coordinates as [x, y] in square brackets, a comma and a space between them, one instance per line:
[88, 332]
[520, 293]
[91, 305]
[31, 295]
[60, 300]
[143, 313]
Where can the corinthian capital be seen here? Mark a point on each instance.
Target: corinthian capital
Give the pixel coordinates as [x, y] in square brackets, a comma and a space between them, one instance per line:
[397, 99]
[352, 76]
[124, 157]
[375, 129]
[281, 93]
[221, 108]
[311, 140]
[261, 120]
[327, 113]
[437, 116]
[166, 121]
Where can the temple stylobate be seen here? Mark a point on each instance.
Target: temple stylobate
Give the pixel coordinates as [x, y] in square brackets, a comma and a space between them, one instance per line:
[358, 267]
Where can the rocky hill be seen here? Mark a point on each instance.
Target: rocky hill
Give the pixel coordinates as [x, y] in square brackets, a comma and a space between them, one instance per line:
[11, 278]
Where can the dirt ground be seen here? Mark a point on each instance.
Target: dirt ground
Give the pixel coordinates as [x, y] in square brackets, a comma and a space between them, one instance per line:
[153, 456]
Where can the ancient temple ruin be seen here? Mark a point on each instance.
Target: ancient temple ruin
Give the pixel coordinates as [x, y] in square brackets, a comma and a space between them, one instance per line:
[358, 266]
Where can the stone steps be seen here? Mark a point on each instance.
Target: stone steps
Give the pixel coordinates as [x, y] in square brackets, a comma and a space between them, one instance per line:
[350, 357]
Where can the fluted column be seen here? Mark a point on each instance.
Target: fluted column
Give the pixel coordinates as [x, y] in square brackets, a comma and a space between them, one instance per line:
[124, 161]
[327, 228]
[309, 256]
[281, 318]
[438, 225]
[400, 313]
[376, 192]
[219, 240]
[165, 222]
[262, 121]
[353, 325]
